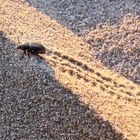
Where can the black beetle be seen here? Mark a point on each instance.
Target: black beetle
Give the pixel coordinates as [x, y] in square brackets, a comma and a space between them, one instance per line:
[33, 48]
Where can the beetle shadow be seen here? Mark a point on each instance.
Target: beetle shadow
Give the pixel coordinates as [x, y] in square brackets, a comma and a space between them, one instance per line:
[36, 106]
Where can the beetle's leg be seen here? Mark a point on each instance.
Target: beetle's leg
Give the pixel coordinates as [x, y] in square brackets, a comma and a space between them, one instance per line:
[41, 57]
[29, 53]
[24, 52]
[23, 55]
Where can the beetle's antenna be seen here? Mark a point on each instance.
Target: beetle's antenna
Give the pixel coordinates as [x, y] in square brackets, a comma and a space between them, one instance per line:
[19, 42]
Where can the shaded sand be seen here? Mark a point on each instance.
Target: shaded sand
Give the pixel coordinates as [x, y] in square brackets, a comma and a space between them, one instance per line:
[117, 46]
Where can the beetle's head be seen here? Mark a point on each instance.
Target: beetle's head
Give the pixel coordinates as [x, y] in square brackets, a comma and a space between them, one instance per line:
[19, 47]
[23, 46]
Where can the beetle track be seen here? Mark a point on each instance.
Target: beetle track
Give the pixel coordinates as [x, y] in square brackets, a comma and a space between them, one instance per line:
[58, 59]
[127, 92]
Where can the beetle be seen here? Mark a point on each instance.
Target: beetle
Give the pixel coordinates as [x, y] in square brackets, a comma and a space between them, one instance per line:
[33, 48]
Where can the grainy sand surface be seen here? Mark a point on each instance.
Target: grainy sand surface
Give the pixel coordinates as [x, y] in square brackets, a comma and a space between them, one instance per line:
[70, 94]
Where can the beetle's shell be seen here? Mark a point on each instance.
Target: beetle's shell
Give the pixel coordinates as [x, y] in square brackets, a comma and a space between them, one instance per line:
[37, 48]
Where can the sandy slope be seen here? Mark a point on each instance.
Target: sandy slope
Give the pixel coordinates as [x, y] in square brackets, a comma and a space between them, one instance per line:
[109, 94]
